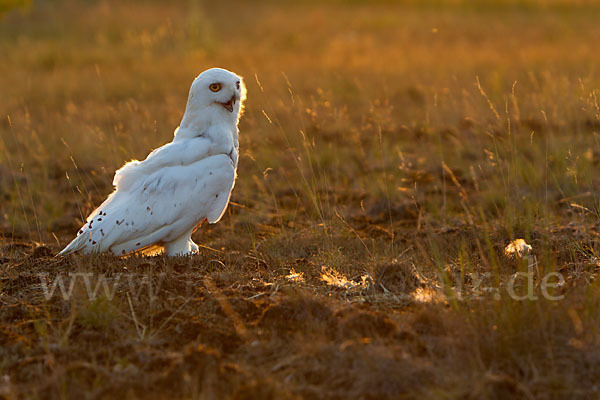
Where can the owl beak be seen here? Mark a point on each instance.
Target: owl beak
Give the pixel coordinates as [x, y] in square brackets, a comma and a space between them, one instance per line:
[229, 105]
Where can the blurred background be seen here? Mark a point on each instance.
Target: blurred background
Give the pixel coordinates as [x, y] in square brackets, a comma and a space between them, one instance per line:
[352, 105]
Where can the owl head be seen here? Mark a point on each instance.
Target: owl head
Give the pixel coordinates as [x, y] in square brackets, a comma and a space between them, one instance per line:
[218, 90]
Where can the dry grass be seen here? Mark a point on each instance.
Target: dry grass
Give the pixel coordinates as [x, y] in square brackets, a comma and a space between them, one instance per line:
[389, 153]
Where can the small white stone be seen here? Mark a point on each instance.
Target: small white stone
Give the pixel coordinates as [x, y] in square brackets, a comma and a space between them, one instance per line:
[518, 248]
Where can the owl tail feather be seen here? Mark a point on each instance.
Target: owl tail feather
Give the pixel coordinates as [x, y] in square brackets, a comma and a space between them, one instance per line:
[76, 244]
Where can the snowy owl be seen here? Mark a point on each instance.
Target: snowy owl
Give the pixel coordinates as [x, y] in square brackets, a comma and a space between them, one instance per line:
[159, 202]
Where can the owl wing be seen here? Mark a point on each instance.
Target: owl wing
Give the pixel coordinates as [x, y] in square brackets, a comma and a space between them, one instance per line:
[183, 152]
[157, 205]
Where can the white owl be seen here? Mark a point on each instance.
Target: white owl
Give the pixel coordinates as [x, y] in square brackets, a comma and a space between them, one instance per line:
[159, 202]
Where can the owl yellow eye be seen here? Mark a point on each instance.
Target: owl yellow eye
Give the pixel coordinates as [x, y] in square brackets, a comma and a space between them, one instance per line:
[215, 87]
